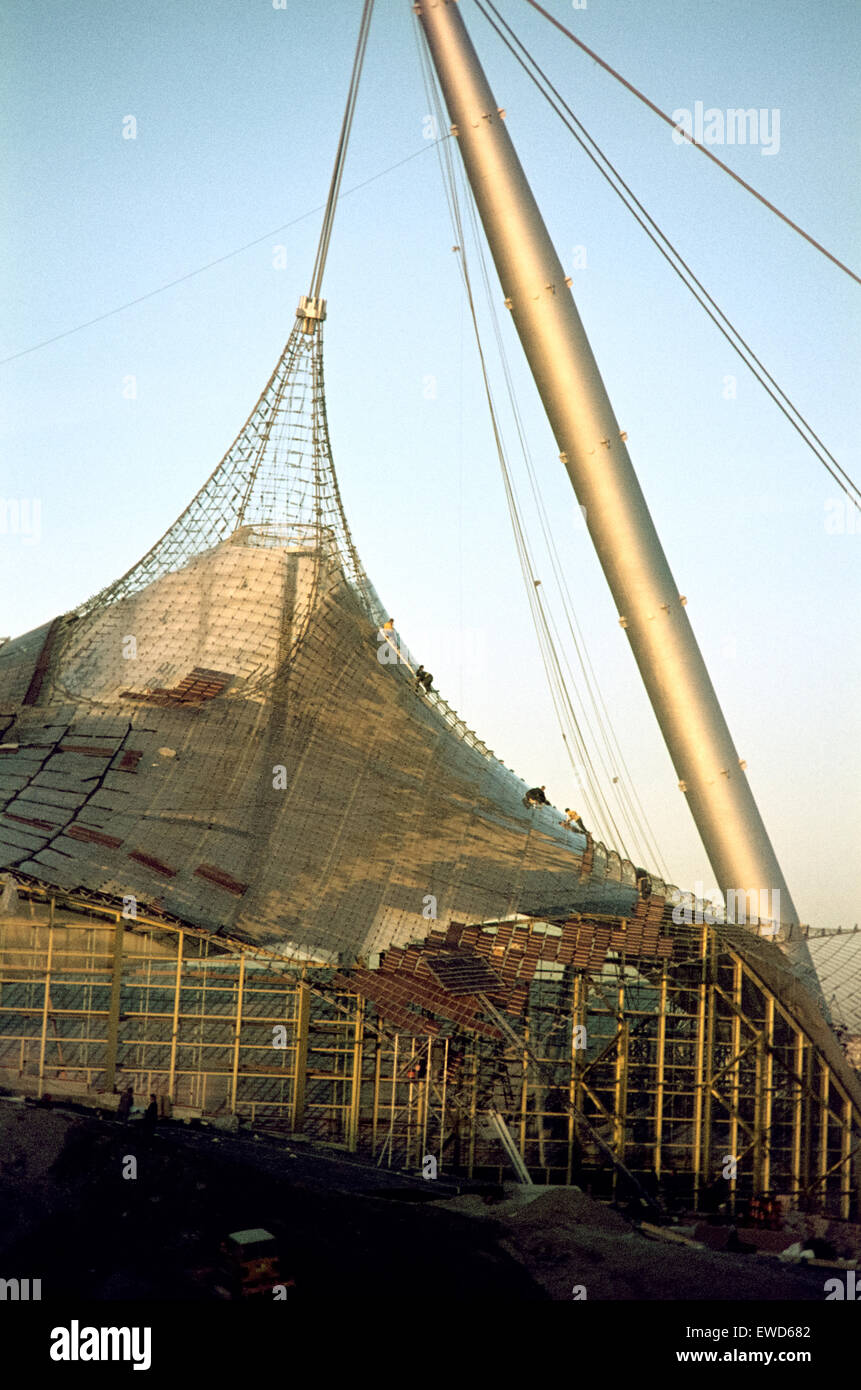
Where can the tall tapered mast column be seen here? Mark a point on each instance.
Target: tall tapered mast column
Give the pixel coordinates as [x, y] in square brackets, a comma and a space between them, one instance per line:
[593, 450]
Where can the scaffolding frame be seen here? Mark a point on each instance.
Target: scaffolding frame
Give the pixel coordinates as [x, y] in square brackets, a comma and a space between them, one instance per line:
[688, 1063]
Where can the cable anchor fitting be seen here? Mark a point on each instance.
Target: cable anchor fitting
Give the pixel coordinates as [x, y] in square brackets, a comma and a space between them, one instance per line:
[311, 311]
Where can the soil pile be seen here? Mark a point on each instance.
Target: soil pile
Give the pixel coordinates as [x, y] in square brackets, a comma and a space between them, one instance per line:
[567, 1241]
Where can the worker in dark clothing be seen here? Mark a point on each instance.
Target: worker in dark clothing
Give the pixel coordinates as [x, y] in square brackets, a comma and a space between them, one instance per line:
[125, 1105]
[423, 678]
[736, 1245]
[644, 884]
[535, 797]
[417, 1069]
[150, 1119]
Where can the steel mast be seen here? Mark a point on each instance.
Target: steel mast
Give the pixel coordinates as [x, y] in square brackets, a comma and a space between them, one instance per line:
[651, 610]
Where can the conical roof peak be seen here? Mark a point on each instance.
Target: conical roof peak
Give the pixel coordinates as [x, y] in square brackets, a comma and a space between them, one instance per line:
[276, 485]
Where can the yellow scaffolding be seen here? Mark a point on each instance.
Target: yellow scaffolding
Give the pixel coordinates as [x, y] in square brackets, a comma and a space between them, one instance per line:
[687, 1063]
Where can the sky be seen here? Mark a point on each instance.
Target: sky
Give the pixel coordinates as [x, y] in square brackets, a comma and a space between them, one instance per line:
[111, 428]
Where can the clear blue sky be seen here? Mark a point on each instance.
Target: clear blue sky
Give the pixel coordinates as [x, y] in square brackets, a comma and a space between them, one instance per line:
[238, 107]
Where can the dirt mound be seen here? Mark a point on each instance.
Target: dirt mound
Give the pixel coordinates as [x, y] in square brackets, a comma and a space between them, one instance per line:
[574, 1247]
[558, 1208]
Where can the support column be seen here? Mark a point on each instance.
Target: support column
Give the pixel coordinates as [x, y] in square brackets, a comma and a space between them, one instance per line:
[759, 1090]
[708, 1058]
[699, 1070]
[735, 1092]
[411, 1095]
[659, 1078]
[46, 1004]
[356, 1093]
[807, 1120]
[620, 1087]
[112, 1043]
[303, 1007]
[592, 448]
[378, 1059]
[797, 1114]
[767, 1092]
[174, 1027]
[425, 1097]
[577, 1021]
[443, 1099]
[846, 1162]
[234, 1080]
[524, 1091]
[824, 1088]
[390, 1137]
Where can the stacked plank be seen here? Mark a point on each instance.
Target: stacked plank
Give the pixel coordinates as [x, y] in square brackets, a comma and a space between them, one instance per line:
[194, 689]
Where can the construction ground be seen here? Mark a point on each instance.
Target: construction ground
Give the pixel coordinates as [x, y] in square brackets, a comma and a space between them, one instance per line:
[346, 1230]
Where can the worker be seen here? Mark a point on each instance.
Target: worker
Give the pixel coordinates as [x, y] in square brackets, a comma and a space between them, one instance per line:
[423, 678]
[644, 883]
[535, 797]
[125, 1105]
[150, 1118]
[389, 625]
[573, 821]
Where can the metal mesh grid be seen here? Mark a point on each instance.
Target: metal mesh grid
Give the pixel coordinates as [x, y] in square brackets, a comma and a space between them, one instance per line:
[277, 478]
[837, 957]
[274, 490]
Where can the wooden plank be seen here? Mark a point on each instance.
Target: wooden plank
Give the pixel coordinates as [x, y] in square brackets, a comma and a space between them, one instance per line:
[150, 862]
[222, 879]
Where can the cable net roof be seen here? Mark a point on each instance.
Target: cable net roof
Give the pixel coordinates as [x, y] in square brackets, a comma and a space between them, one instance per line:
[277, 480]
[233, 733]
[229, 733]
[837, 957]
[275, 490]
